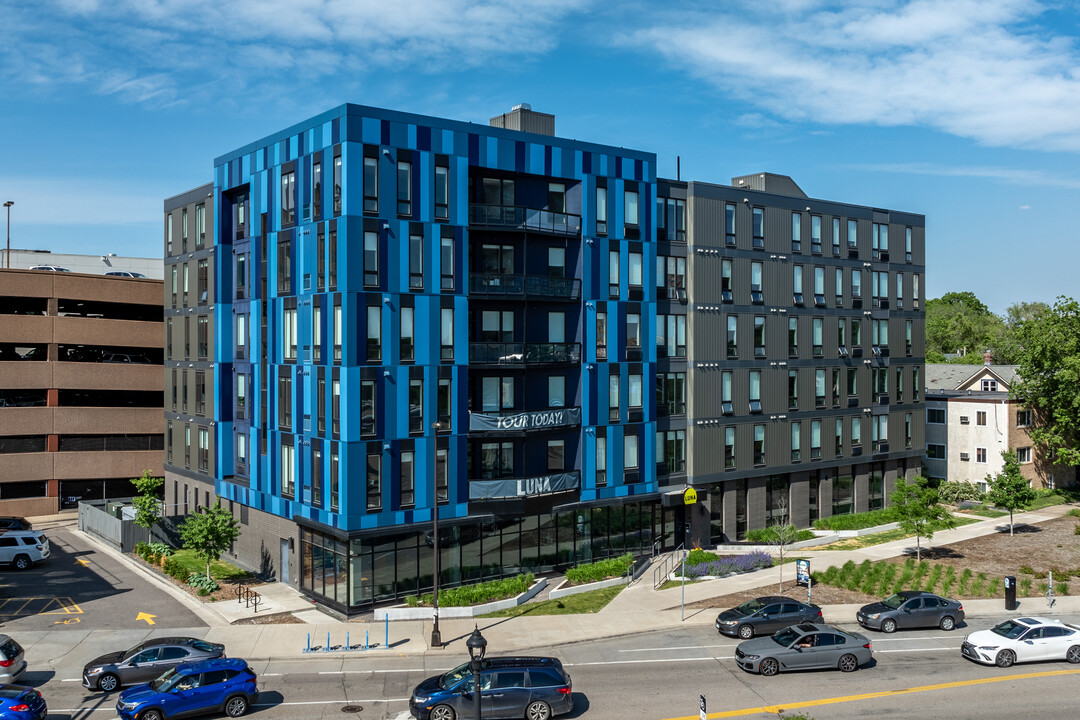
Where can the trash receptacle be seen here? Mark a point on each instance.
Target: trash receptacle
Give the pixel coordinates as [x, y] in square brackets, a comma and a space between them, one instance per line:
[1010, 593]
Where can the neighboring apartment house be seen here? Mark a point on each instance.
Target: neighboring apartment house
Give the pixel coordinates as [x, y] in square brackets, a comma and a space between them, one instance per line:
[971, 420]
[586, 340]
[80, 388]
[190, 400]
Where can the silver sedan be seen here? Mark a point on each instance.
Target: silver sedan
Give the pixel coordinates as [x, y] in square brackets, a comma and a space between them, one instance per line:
[807, 646]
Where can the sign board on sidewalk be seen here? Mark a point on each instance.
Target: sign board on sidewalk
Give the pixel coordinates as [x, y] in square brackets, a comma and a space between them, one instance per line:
[802, 572]
[702, 705]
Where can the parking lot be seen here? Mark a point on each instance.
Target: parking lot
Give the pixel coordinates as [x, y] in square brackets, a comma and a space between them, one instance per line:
[78, 586]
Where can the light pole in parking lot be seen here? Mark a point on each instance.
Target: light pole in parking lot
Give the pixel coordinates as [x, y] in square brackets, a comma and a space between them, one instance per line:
[477, 645]
[7, 256]
[436, 636]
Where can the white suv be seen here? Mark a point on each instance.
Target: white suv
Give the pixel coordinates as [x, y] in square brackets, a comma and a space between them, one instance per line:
[23, 548]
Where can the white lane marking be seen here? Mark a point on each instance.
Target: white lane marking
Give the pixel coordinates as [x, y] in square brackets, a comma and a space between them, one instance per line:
[71, 680]
[261, 705]
[687, 647]
[955, 649]
[641, 662]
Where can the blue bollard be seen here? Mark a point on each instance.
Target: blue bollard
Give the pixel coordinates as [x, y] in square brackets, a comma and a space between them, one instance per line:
[367, 646]
[347, 645]
[327, 649]
[387, 618]
[308, 643]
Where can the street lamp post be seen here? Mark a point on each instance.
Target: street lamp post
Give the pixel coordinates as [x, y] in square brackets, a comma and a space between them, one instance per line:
[477, 645]
[7, 256]
[436, 636]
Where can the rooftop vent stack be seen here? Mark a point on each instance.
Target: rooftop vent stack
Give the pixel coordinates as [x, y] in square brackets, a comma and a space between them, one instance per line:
[524, 119]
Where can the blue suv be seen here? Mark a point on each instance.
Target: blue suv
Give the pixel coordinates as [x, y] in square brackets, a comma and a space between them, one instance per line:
[197, 688]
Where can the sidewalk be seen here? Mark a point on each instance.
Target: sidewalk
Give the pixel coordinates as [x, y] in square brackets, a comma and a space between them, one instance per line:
[636, 609]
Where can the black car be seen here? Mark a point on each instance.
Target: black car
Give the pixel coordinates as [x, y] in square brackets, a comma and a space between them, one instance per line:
[764, 616]
[911, 609]
[534, 688]
[146, 661]
[12, 522]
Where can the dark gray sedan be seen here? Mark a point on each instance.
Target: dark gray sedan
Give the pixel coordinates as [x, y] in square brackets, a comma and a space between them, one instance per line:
[807, 646]
[146, 661]
[911, 609]
[764, 616]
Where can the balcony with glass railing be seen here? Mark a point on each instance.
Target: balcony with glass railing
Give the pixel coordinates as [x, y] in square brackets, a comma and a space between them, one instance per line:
[516, 217]
[483, 353]
[533, 286]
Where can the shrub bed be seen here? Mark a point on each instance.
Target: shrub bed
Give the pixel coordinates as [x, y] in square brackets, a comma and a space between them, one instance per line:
[600, 570]
[477, 594]
[710, 564]
[762, 536]
[857, 521]
[880, 579]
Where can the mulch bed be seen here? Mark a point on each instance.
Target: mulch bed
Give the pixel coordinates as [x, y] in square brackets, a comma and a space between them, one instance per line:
[1050, 545]
[226, 591]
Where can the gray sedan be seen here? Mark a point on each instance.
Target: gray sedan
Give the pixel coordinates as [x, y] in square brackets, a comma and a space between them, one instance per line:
[146, 661]
[807, 646]
[911, 609]
[765, 615]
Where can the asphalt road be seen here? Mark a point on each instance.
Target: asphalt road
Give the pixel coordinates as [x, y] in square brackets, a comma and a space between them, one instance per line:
[653, 676]
[83, 589]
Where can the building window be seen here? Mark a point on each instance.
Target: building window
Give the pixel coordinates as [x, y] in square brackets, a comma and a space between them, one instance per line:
[819, 286]
[241, 216]
[200, 392]
[443, 402]
[796, 441]
[601, 336]
[732, 338]
[404, 188]
[288, 199]
[174, 271]
[836, 387]
[729, 448]
[496, 394]
[334, 484]
[337, 330]
[371, 184]
[408, 479]
[755, 391]
[841, 337]
[288, 476]
[557, 262]
[815, 234]
[187, 446]
[200, 225]
[980, 418]
[496, 460]
[168, 234]
[839, 291]
[556, 455]
[601, 461]
[316, 189]
[907, 244]
[796, 232]
[630, 452]
[371, 259]
[819, 388]
[796, 284]
[759, 336]
[442, 192]
[446, 334]
[633, 330]
[915, 291]
[201, 336]
[880, 427]
[184, 228]
[756, 295]
[416, 406]
[1023, 418]
[856, 435]
[729, 225]
[601, 210]
[367, 406]
[416, 262]
[557, 390]
[316, 332]
[671, 335]
[187, 284]
[241, 276]
[332, 263]
[1023, 455]
[442, 476]
[631, 206]
[725, 281]
[880, 241]
[852, 235]
[852, 385]
[285, 399]
[613, 395]
[408, 339]
[839, 437]
[204, 450]
[284, 266]
[634, 270]
[241, 453]
[335, 407]
[759, 228]
[759, 445]
[907, 338]
[613, 273]
[915, 383]
[980, 455]
[320, 405]
[907, 430]
[671, 393]
[817, 342]
[446, 263]
[899, 291]
[935, 451]
[374, 333]
[836, 237]
[725, 392]
[634, 391]
[241, 396]
[374, 482]
[793, 337]
[935, 416]
[989, 385]
[337, 185]
[288, 334]
[815, 439]
[241, 337]
[900, 384]
[793, 389]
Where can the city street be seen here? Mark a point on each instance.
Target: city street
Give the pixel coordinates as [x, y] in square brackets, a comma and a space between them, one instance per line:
[653, 676]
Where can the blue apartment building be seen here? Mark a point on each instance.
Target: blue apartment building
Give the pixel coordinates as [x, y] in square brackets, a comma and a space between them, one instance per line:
[411, 311]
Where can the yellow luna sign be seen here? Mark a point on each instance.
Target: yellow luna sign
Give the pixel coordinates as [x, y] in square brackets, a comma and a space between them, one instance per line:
[689, 496]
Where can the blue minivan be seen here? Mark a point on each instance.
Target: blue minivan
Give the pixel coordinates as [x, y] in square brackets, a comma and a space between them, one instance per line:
[221, 685]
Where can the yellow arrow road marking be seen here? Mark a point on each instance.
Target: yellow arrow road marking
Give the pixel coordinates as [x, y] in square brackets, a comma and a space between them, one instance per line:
[145, 616]
[784, 707]
[82, 562]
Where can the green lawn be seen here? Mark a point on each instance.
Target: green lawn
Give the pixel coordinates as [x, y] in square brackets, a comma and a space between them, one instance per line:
[985, 512]
[1047, 501]
[580, 604]
[220, 570]
[857, 543]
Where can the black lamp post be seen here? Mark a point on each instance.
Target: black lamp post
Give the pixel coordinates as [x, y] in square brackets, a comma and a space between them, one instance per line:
[477, 645]
[436, 636]
[7, 257]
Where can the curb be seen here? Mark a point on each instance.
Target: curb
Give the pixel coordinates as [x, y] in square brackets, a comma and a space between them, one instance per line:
[211, 617]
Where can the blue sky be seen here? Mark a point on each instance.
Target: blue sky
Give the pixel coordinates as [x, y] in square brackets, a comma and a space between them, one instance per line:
[967, 112]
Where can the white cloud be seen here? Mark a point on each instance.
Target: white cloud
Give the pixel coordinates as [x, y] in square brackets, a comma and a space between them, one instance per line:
[984, 70]
[1024, 207]
[1012, 176]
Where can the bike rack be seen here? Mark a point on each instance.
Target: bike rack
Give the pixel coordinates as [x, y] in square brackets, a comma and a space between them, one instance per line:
[247, 596]
[348, 646]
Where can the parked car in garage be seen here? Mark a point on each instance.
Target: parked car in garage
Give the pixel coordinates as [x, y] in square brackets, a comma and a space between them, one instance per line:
[911, 609]
[146, 661]
[807, 646]
[1025, 639]
[764, 616]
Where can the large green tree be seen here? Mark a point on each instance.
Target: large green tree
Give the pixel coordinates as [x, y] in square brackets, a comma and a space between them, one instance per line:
[1009, 489]
[959, 321]
[1049, 378]
[147, 503]
[919, 511]
[209, 532]
[1010, 349]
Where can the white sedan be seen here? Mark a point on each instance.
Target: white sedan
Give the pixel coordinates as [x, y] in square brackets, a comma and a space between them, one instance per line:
[1024, 639]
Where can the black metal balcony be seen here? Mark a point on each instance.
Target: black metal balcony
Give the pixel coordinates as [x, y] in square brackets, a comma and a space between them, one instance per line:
[481, 353]
[514, 217]
[537, 286]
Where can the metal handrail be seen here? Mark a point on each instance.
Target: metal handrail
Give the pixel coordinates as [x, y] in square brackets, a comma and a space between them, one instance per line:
[667, 566]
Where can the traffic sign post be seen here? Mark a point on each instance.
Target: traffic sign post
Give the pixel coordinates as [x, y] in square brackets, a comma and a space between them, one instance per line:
[701, 701]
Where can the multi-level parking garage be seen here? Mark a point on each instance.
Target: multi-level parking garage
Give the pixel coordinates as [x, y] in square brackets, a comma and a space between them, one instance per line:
[80, 387]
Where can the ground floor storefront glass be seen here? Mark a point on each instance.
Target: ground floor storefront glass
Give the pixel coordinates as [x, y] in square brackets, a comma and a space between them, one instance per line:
[353, 574]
